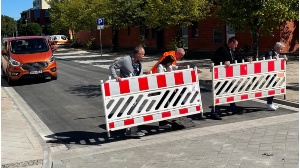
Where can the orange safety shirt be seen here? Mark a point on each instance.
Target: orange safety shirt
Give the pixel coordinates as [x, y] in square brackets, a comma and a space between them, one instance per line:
[154, 68]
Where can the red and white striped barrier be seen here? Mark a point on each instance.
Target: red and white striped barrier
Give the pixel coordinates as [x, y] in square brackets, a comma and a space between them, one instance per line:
[248, 80]
[150, 98]
[244, 69]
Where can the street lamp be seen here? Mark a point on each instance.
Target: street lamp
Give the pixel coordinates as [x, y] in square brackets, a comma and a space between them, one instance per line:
[15, 30]
[26, 26]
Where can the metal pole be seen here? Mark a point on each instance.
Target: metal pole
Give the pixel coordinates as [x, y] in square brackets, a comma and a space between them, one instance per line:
[26, 26]
[100, 42]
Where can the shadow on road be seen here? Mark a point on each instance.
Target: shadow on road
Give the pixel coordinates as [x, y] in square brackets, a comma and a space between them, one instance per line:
[88, 91]
[293, 86]
[23, 82]
[98, 138]
[94, 138]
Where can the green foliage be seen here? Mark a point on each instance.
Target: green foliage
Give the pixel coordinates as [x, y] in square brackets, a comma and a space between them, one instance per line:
[124, 13]
[30, 29]
[82, 14]
[91, 44]
[121, 14]
[8, 26]
[176, 43]
[260, 17]
[75, 44]
[74, 14]
[143, 39]
[165, 13]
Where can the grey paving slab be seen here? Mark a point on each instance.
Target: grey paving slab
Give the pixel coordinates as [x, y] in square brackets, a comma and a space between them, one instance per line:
[219, 150]
[19, 147]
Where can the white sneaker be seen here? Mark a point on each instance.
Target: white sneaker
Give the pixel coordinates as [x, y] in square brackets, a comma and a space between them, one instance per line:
[271, 107]
[275, 106]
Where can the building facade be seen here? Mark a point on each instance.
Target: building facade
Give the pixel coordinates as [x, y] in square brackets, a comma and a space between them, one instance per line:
[40, 4]
[40, 16]
[205, 35]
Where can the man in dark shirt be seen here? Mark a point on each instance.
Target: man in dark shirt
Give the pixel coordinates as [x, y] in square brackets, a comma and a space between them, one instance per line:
[226, 56]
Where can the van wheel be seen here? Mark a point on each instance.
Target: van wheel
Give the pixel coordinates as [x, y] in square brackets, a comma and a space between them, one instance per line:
[3, 75]
[54, 78]
[10, 82]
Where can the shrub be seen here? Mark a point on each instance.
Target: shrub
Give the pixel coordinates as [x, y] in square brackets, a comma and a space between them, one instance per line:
[175, 43]
[75, 43]
[91, 44]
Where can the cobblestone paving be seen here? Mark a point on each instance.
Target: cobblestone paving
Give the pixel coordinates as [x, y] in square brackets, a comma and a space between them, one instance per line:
[267, 146]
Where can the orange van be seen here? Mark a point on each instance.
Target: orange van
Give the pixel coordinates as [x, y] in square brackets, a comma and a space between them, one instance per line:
[27, 57]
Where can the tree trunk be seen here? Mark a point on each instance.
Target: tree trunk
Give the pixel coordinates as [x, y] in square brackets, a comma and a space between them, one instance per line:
[114, 39]
[255, 38]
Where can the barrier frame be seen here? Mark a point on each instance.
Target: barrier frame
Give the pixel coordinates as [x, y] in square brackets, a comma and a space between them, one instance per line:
[251, 94]
[186, 80]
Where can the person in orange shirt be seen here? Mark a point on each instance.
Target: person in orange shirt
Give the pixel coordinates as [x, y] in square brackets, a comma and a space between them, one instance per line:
[177, 55]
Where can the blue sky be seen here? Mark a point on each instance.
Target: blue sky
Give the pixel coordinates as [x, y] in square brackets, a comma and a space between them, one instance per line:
[13, 8]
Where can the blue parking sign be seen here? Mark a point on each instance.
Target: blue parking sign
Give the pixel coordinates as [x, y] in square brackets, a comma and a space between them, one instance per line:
[100, 22]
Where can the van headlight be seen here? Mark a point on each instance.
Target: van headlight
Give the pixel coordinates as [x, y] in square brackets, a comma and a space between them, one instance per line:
[14, 62]
[51, 59]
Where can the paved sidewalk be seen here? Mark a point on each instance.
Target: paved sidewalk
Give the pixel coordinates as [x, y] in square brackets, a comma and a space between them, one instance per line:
[262, 143]
[19, 144]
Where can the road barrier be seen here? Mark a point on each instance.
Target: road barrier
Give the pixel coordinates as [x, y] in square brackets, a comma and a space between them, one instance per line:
[150, 98]
[248, 80]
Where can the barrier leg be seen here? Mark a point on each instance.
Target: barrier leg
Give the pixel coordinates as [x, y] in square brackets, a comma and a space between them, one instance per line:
[214, 110]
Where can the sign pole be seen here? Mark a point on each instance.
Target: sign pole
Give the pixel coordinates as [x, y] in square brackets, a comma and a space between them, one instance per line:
[100, 43]
[100, 25]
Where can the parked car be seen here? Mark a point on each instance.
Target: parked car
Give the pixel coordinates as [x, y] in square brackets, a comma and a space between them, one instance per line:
[27, 57]
[60, 40]
[51, 42]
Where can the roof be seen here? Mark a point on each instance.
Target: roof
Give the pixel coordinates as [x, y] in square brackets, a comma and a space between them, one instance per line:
[22, 37]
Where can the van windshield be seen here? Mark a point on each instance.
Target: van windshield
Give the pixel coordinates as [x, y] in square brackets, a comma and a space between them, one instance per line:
[25, 46]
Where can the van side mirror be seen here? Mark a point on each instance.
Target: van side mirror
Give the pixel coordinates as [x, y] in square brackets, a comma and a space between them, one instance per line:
[3, 52]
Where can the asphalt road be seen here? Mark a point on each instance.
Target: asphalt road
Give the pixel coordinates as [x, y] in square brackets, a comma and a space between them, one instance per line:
[71, 106]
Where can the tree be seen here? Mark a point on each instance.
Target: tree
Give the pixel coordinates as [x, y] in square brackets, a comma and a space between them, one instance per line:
[30, 29]
[166, 13]
[8, 26]
[123, 13]
[260, 17]
[82, 14]
[176, 13]
[58, 23]
[73, 14]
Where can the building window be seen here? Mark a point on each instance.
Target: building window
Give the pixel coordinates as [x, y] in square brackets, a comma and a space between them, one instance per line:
[28, 14]
[47, 13]
[36, 13]
[217, 36]
[194, 29]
